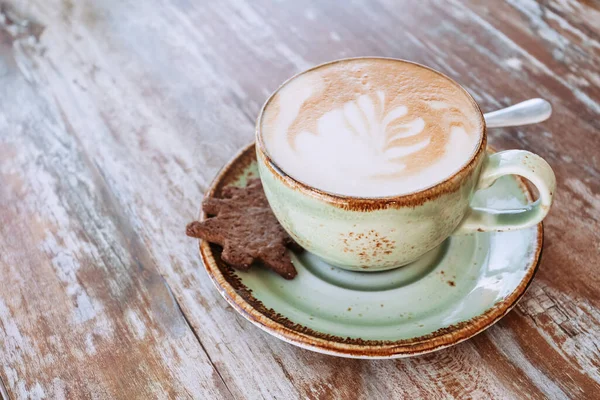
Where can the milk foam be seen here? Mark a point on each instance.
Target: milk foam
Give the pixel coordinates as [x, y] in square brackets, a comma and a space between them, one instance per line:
[371, 128]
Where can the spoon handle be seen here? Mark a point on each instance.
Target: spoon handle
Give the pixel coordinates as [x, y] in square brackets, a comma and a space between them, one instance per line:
[527, 112]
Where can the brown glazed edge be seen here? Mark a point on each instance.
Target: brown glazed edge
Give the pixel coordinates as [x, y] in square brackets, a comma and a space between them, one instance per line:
[240, 298]
[449, 185]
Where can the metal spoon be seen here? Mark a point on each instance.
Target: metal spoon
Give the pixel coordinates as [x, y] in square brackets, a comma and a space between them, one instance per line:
[528, 112]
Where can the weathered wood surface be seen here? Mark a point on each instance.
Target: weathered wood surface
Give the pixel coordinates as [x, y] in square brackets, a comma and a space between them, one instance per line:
[116, 114]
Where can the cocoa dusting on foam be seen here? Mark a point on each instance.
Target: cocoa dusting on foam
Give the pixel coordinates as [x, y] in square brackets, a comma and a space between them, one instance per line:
[371, 127]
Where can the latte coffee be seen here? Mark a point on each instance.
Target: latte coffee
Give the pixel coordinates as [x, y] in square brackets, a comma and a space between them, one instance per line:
[371, 127]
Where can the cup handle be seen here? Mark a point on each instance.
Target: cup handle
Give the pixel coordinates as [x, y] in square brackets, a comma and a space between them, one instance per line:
[512, 162]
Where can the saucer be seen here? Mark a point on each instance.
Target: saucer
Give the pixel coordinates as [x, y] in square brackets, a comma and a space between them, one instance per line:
[447, 296]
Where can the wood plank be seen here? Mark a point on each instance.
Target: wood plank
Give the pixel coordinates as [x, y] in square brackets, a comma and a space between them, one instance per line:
[84, 312]
[146, 100]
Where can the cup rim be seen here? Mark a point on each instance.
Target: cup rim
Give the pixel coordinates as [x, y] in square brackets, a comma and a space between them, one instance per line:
[417, 197]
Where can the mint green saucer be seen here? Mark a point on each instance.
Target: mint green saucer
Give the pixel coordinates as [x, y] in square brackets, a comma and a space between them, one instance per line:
[449, 295]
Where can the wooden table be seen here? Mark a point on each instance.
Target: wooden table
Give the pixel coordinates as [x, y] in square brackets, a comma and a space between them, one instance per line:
[114, 117]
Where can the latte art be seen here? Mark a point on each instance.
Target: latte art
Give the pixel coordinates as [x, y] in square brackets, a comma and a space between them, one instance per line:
[379, 131]
[370, 128]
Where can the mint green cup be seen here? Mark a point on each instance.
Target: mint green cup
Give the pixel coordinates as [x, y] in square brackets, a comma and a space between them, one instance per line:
[376, 234]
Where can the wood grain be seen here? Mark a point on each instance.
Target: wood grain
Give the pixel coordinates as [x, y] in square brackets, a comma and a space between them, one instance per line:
[115, 116]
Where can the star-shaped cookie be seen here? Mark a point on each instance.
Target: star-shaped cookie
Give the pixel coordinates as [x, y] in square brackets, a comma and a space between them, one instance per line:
[243, 223]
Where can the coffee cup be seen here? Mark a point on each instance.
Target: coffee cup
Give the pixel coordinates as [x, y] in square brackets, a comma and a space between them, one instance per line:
[369, 163]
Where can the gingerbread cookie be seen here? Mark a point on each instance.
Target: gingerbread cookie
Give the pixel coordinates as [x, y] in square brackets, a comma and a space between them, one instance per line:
[245, 226]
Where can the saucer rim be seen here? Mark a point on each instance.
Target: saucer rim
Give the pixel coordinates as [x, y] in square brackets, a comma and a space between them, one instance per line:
[269, 321]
